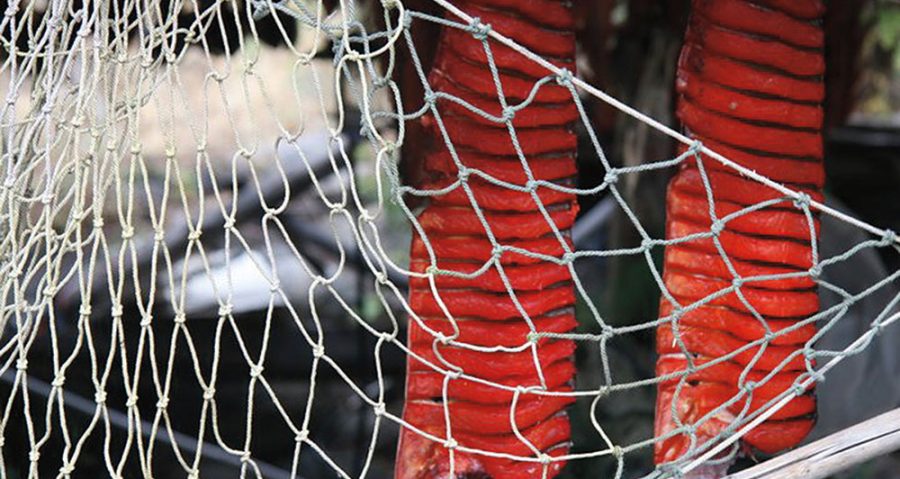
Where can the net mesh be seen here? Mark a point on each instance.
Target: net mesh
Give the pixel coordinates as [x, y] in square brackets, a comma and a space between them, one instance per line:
[204, 245]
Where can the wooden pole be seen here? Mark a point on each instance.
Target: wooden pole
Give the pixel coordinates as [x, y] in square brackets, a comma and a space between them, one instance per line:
[837, 452]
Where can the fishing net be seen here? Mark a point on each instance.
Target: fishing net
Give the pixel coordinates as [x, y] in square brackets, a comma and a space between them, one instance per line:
[204, 237]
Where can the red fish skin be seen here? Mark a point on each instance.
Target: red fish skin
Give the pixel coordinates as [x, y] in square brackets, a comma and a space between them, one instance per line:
[811, 10]
[744, 106]
[757, 18]
[477, 407]
[742, 134]
[744, 326]
[750, 87]
[739, 75]
[688, 259]
[479, 250]
[769, 51]
[730, 186]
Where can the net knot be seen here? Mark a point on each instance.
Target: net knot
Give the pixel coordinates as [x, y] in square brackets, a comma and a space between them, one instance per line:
[379, 409]
[545, 458]
[607, 332]
[716, 227]
[229, 223]
[366, 217]
[225, 310]
[245, 456]
[100, 397]
[59, 381]
[67, 469]
[34, 456]
[533, 337]
[454, 374]
[301, 436]
[11, 9]
[216, 76]
[451, 443]
[22, 364]
[430, 98]
[255, 371]
[463, 174]
[146, 321]
[801, 200]
[98, 222]
[388, 337]
[479, 31]
[737, 282]
[617, 451]
[407, 20]
[260, 9]
[318, 351]
[390, 4]
[749, 386]
[180, 317]
[696, 147]
[509, 113]
[532, 185]
[611, 177]
[159, 236]
[564, 77]
[85, 310]
[381, 278]
[520, 389]
[815, 271]
[353, 56]
[162, 403]
[209, 393]
[127, 232]
[194, 235]
[888, 238]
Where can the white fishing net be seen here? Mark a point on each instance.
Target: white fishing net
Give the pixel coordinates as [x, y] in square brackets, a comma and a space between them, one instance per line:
[204, 245]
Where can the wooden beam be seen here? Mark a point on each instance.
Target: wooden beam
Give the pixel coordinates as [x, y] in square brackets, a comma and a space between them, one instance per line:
[837, 452]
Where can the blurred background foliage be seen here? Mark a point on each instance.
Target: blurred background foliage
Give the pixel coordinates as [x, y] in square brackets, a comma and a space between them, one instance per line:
[880, 83]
